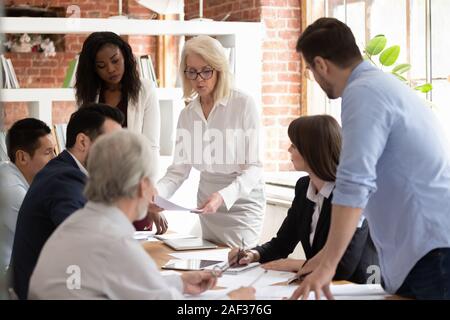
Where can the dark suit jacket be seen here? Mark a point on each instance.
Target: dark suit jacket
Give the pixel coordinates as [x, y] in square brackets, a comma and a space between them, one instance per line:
[55, 193]
[296, 227]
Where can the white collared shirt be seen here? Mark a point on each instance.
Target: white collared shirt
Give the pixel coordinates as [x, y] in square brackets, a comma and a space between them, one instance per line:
[317, 198]
[204, 144]
[82, 168]
[92, 255]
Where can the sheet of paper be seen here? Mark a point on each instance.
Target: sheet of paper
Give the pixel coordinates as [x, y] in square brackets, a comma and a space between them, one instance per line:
[215, 254]
[173, 236]
[145, 235]
[209, 295]
[245, 278]
[275, 292]
[358, 290]
[340, 292]
[170, 206]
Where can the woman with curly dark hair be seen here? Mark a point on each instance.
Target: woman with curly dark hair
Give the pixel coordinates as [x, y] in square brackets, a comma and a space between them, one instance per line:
[107, 73]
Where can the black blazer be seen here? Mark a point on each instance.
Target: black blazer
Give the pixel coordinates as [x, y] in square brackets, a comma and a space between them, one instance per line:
[296, 227]
[55, 193]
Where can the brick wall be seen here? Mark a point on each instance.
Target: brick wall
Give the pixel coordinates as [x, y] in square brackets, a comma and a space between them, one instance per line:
[281, 81]
[281, 86]
[34, 70]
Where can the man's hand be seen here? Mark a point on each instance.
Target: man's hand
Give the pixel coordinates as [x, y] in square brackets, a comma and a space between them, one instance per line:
[196, 282]
[243, 293]
[290, 265]
[159, 220]
[310, 265]
[211, 204]
[318, 281]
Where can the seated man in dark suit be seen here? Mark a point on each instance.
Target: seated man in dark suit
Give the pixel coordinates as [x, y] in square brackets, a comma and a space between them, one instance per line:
[57, 190]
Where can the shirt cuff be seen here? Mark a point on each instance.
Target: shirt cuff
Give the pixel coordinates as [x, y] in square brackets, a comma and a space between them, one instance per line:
[351, 196]
[229, 195]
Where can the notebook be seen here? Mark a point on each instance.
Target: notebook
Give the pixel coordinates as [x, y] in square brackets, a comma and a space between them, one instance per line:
[189, 244]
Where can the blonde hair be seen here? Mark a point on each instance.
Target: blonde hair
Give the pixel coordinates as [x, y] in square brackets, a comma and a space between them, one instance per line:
[212, 51]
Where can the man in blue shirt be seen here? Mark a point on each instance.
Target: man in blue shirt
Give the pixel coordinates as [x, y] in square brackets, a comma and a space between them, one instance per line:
[30, 146]
[394, 165]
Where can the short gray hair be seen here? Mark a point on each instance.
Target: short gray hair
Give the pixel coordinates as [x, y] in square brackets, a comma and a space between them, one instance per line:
[116, 164]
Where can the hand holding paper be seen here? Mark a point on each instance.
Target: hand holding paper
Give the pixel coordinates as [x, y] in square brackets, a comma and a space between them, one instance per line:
[170, 206]
[212, 203]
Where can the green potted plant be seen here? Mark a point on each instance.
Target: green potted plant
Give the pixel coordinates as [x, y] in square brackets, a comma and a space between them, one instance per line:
[388, 57]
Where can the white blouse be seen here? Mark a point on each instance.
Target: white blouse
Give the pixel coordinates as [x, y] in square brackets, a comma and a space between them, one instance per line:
[317, 197]
[228, 142]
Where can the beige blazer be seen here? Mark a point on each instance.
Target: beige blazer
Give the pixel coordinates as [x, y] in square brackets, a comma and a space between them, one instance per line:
[144, 117]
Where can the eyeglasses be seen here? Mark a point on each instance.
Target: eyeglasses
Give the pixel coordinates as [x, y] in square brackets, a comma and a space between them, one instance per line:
[204, 74]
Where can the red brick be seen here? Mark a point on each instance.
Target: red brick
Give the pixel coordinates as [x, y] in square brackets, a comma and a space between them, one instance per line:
[275, 23]
[292, 77]
[273, 66]
[269, 99]
[288, 13]
[294, 66]
[274, 88]
[292, 99]
[294, 24]
[275, 45]
[288, 56]
[276, 111]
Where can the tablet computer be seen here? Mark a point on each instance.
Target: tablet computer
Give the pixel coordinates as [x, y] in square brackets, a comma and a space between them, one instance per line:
[189, 244]
[190, 264]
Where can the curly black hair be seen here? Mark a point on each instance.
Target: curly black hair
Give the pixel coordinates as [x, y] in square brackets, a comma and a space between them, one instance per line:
[88, 83]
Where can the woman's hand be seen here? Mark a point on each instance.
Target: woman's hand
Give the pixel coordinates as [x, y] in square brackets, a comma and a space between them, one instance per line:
[211, 204]
[246, 257]
[290, 265]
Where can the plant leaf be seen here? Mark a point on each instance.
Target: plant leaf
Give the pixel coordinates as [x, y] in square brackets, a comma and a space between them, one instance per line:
[389, 56]
[401, 68]
[399, 77]
[427, 87]
[376, 45]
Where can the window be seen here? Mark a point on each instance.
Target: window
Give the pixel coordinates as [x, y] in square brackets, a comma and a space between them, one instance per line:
[418, 26]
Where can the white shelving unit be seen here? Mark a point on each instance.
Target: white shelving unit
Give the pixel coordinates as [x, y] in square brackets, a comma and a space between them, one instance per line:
[244, 37]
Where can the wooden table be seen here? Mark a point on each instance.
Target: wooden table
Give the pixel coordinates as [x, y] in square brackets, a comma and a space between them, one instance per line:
[160, 254]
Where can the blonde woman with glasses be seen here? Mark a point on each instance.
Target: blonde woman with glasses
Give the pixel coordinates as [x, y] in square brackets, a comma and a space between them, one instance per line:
[218, 134]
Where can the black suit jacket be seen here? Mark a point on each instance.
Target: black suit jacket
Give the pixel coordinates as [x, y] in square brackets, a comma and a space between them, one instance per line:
[296, 227]
[55, 193]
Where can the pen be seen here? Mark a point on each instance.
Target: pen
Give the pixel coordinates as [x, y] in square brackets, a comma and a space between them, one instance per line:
[297, 277]
[257, 278]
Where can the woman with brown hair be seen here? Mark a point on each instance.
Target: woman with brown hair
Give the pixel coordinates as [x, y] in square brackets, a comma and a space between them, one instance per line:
[315, 149]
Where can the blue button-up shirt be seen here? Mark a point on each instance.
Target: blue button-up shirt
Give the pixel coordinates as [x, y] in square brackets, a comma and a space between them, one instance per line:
[395, 163]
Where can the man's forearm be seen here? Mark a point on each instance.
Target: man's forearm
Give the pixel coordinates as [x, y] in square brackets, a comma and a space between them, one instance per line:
[344, 221]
